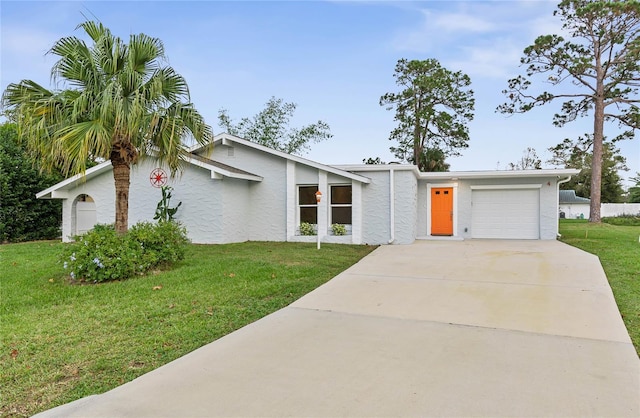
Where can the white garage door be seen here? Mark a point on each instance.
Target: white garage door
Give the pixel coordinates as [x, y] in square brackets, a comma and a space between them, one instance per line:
[505, 213]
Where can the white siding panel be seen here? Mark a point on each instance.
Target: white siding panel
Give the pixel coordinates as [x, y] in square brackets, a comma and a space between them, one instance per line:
[505, 214]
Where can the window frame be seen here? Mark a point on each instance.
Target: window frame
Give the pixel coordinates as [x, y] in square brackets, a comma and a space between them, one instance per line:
[305, 205]
[340, 205]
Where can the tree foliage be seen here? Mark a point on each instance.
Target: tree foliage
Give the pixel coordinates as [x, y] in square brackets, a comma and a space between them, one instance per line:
[120, 103]
[528, 161]
[270, 127]
[22, 216]
[433, 159]
[634, 191]
[373, 161]
[432, 111]
[578, 154]
[597, 72]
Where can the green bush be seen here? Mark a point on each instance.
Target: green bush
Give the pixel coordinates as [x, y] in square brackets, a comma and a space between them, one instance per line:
[338, 229]
[161, 243]
[623, 220]
[22, 216]
[307, 229]
[102, 255]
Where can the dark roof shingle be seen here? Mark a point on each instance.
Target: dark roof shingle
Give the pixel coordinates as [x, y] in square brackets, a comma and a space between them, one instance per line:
[569, 196]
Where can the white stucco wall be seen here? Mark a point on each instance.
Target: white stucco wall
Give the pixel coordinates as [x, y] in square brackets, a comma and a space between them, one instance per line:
[406, 206]
[377, 207]
[266, 201]
[102, 190]
[201, 211]
[236, 211]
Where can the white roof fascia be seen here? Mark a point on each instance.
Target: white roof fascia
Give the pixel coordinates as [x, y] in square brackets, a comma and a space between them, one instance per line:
[56, 191]
[377, 167]
[217, 172]
[497, 174]
[227, 139]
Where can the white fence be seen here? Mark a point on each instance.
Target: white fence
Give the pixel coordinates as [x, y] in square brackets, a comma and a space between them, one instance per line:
[581, 210]
[617, 209]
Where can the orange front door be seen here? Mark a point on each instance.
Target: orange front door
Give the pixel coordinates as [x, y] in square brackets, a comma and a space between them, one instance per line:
[442, 211]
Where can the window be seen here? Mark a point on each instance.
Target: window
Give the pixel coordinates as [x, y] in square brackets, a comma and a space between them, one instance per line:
[307, 203]
[341, 205]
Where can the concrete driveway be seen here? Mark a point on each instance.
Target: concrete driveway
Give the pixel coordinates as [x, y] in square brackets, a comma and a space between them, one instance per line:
[436, 328]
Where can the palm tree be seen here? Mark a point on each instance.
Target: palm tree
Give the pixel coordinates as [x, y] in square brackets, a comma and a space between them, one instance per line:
[120, 103]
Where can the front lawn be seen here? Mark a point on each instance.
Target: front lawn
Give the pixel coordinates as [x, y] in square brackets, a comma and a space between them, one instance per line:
[60, 342]
[618, 248]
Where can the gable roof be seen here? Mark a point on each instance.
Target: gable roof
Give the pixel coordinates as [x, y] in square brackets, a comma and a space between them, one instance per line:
[218, 171]
[227, 139]
[569, 196]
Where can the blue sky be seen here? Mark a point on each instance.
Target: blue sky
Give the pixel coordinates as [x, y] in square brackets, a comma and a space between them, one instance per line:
[334, 59]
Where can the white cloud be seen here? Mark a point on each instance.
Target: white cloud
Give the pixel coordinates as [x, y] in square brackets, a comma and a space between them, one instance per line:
[437, 29]
[498, 59]
[458, 22]
[468, 23]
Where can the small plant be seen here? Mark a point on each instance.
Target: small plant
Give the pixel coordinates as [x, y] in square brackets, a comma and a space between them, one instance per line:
[102, 255]
[338, 229]
[307, 229]
[164, 213]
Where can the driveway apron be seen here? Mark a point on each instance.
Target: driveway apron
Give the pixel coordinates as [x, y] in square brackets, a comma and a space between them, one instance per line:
[436, 328]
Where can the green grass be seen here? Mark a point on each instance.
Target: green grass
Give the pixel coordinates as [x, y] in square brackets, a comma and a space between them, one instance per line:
[60, 342]
[618, 248]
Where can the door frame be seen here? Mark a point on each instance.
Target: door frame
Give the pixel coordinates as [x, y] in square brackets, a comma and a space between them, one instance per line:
[454, 188]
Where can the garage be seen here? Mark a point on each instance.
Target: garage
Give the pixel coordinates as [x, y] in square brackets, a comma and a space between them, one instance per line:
[505, 212]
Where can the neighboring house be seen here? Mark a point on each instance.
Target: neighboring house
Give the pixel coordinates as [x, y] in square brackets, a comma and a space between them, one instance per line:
[237, 190]
[572, 206]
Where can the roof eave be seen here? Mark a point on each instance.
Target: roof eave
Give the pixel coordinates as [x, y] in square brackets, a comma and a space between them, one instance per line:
[452, 175]
[227, 139]
[217, 171]
[56, 191]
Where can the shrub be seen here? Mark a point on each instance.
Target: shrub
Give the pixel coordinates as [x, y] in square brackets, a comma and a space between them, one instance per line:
[338, 229]
[22, 216]
[161, 243]
[307, 229]
[101, 254]
[623, 220]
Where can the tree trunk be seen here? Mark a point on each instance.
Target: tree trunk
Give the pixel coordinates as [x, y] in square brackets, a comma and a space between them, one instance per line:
[598, 138]
[596, 165]
[121, 176]
[123, 154]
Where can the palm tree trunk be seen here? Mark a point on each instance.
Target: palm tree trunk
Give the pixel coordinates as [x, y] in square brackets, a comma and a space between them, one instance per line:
[121, 176]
